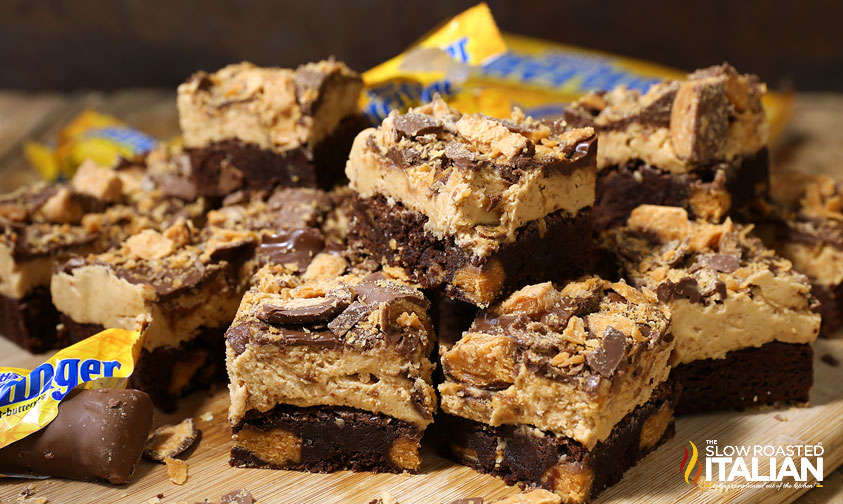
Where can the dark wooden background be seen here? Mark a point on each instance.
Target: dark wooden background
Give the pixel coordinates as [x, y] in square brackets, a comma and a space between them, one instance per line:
[110, 44]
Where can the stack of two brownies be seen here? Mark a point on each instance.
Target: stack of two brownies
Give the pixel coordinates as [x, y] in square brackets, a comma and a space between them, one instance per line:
[676, 165]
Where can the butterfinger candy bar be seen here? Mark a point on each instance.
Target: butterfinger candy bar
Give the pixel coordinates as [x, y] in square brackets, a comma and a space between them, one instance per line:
[97, 435]
[89, 136]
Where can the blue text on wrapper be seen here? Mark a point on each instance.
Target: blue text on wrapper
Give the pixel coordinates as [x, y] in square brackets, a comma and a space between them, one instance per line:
[58, 380]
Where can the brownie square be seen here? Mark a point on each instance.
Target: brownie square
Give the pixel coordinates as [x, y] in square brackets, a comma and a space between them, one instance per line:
[472, 204]
[330, 370]
[180, 287]
[561, 389]
[699, 144]
[248, 127]
[804, 224]
[730, 298]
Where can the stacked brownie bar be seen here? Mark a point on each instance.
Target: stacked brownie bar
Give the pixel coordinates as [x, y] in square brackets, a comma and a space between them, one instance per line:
[700, 144]
[561, 389]
[330, 369]
[472, 204]
[805, 225]
[180, 287]
[43, 225]
[743, 319]
[247, 127]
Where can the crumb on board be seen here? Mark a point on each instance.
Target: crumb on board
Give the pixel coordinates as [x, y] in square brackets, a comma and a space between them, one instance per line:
[170, 440]
[26, 496]
[830, 360]
[241, 496]
[176, 470]
[207, 416]
[780, 418]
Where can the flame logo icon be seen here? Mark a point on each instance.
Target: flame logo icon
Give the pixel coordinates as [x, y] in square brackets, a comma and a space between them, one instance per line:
[687, 466]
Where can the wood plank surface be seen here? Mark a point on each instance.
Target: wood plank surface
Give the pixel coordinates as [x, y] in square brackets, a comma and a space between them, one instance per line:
[811, 143]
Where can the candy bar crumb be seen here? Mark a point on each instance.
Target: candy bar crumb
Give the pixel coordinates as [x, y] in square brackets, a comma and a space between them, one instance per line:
[176, 470]
[170, 440]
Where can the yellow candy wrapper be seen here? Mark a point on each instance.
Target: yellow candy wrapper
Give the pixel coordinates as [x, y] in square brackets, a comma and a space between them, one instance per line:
[90, 135]
[476, 68]
[29, 400]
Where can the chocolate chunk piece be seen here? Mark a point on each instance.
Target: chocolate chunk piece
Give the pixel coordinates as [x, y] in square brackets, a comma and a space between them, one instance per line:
[687, 288]
[699, 121]
[296, 208]
[307, 310]
[308, 84]
[97, 435]
[349, 318]
[231, 178]
[507, 324]
[171, 440]
[403, 157]
[724, 263]
[417, 124]
[298, 246]
[241, 496]
[460, 156]
[376, 290]
[295, 337]
[237, 337]
[605, 359]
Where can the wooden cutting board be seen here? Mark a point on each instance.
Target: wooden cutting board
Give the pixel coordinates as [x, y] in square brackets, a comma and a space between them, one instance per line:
[655, 480]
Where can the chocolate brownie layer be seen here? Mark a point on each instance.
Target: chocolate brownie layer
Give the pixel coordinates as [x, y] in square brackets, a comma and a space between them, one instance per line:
[524, 455]
[559, 250]
[167, 373]
[773, 373]
[621, 189]
[324, 439]
[221, 168]
[30, 322]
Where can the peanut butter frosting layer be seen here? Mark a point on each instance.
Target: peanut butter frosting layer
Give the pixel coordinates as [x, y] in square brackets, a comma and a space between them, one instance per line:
[476, 178]
[714, 116]
[333, 338]
[725, 289]
[277, 109]
[168, 284]
[573, 361]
